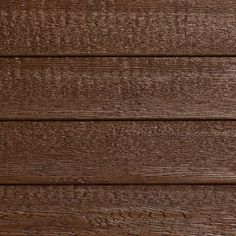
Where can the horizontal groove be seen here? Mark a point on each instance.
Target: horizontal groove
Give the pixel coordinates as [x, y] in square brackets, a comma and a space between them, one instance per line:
[115, 119]
[113, 55]
[120, 184]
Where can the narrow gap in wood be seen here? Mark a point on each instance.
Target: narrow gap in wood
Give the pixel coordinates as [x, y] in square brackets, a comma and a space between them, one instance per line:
[120, 184]
[114, 55]
[116, 119]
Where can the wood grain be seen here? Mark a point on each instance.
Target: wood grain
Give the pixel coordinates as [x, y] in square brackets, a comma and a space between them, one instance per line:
[117, 210]
[118, 88]
[118, 27]
[118, 152]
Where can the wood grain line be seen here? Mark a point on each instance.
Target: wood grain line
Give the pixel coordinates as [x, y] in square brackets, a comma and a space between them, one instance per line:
[107, 27]
[143, 152]
[117, 88]
[117, 210]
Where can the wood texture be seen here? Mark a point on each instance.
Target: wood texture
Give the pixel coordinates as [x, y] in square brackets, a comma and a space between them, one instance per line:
[101, 122]
[117, 88]
[117, 27]
[118, 152]
[117, 210]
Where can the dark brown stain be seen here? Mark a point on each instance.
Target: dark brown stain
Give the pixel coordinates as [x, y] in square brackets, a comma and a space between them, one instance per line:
[117, 210]
[132, 102]
[118, 88]
[153, 27]
[118, 152]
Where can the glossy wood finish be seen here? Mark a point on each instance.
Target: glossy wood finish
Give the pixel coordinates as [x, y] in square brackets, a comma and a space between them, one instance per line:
[117, 210]
[117, 88]
[117, 27]
[118, 152]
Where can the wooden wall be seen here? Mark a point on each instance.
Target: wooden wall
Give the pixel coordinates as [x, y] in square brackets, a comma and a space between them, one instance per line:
[118, 117]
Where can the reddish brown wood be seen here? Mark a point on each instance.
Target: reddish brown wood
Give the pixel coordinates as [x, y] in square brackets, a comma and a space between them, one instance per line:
[118, 152]
[133, 27]
[132, 156]
[117, 88]
[117, 210]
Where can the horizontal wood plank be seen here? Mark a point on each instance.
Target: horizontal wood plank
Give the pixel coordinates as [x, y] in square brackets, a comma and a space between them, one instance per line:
[118, 152]
[117, 88]
[100, 27]
[117, 210]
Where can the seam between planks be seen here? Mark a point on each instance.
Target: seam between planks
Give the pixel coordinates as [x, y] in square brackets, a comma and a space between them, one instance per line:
[114, 55]
[116, 119]
[119, 184]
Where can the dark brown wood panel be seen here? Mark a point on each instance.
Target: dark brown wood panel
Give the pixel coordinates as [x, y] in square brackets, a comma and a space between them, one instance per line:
[120, 27]
[117, 210]
[117, 88]
[118, 152]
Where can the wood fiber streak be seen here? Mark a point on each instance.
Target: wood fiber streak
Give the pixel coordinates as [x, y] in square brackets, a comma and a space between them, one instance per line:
[117, 88]
[118, 152]
[117, 210]
[117, 27]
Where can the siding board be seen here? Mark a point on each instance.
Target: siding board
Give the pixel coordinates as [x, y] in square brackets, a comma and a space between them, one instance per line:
[153, 27]
[118, 152]
[117, 88]
[117, 210]
[117, 117]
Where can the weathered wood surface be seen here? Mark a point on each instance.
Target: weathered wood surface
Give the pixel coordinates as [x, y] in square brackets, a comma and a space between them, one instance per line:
[118, 152]
[117, 88]
[120, 27]
[117, 210]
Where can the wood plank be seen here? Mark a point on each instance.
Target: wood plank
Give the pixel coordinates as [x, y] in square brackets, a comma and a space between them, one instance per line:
[118, 152]
[118, 88]
[117, 210]
[120, 27]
